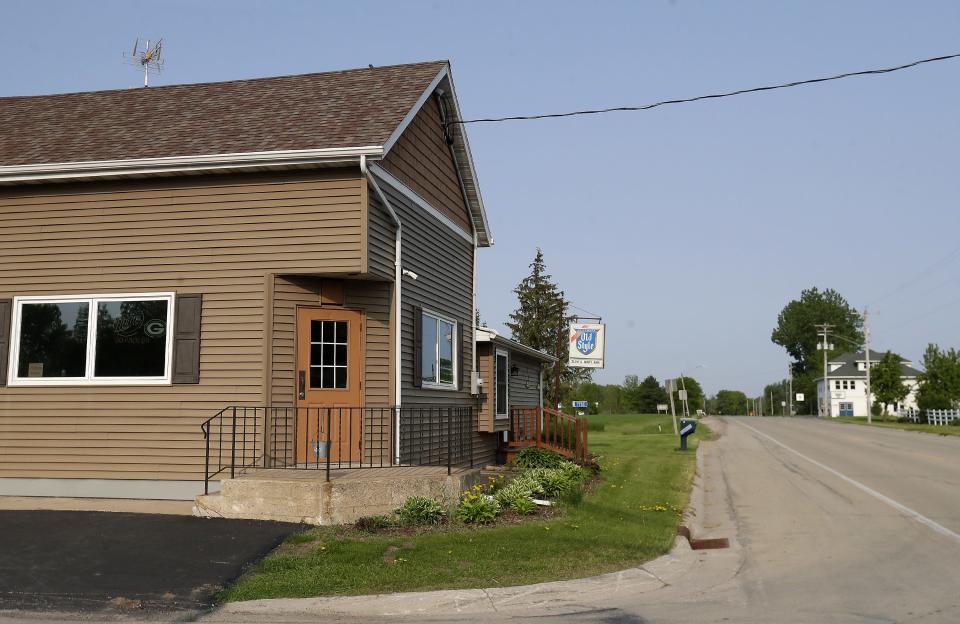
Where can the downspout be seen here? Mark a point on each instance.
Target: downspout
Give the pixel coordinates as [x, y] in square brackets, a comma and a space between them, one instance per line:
[397, 279]
[474, 371]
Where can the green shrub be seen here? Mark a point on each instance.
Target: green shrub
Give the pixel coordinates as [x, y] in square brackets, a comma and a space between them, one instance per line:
[523, 505]
[372, 523]
[477, 509]
[421, 510]
[537, 458]
[513, 490]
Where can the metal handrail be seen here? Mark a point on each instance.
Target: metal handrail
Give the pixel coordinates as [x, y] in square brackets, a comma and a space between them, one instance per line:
[240, 437]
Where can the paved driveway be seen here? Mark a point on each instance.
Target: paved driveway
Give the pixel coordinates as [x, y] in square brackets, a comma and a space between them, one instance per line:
[93, 561]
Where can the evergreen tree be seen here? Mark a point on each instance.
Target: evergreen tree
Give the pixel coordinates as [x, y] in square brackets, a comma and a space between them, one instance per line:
[649, 394]
[541, 321]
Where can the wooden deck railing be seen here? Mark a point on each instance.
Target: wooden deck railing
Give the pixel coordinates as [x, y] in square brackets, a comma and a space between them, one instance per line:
[542, 427]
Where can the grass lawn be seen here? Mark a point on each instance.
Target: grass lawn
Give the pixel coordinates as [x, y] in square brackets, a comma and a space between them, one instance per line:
[607, 531]
[909, 426]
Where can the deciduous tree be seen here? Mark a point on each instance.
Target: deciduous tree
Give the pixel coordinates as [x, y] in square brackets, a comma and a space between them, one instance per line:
[886, 384]
[796, 332]
[730, 402]
[940, 381]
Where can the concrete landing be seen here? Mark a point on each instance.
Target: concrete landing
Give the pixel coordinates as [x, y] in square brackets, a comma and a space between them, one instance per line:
[306, 496]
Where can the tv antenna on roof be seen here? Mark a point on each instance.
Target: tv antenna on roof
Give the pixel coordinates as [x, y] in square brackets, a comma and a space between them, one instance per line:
[148, 57]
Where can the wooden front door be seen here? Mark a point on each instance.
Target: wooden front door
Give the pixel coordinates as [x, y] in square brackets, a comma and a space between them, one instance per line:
[328, 384]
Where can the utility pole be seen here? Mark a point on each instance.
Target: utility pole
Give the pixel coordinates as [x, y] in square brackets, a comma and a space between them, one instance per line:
[561, 332]
[823, 331]
[866, 349]
[790, 391]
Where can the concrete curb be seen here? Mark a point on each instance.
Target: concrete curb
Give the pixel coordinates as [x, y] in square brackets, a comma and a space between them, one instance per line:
[554, 596]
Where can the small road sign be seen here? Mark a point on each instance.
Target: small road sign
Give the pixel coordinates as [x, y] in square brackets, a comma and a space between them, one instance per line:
[581, 403]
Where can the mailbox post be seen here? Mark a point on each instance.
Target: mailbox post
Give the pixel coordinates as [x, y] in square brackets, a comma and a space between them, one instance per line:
[687, 427]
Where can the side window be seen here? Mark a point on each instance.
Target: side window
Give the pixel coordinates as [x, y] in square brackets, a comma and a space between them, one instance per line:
[438, 359]
[502, 383]
[92, 339]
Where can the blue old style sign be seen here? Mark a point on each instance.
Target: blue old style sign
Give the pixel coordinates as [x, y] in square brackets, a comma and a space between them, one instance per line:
[586, 341]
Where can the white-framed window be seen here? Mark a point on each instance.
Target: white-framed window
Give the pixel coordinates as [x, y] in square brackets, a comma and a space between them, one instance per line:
[438, 365]
[111, 339]
[501, 384]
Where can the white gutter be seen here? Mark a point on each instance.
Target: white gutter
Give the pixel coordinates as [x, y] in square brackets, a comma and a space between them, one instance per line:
[177, 164]
[397, 280]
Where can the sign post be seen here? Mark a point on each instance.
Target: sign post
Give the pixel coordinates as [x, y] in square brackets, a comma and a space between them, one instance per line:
[669, 383]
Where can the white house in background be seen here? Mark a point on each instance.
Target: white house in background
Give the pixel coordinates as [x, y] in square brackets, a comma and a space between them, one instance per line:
[848, 385]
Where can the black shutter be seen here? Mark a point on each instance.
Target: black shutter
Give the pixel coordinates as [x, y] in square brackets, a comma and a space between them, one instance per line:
[417, 346]
[186, 339]
[6, 305]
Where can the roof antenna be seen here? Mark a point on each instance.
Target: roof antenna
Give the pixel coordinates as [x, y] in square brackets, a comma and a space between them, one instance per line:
[147, 57]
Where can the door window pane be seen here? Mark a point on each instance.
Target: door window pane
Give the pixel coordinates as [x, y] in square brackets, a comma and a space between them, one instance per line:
[131, 338]
[328, 354]
[53, 340]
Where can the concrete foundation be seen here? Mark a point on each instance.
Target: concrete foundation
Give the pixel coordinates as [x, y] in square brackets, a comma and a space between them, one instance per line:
[306, 496]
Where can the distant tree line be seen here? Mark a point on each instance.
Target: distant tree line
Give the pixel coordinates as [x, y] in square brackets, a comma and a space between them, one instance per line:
[634, 396]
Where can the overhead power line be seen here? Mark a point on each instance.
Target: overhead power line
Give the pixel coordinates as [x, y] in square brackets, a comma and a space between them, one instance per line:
[712, 96]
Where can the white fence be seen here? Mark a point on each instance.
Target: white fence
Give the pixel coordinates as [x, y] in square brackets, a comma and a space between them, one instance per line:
[934, 417]
[942, 417]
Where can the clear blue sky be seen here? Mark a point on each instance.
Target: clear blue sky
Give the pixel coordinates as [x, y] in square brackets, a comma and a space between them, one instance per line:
[688, 227]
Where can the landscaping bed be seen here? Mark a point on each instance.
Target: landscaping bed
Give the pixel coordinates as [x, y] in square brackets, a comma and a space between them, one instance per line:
[627, 515]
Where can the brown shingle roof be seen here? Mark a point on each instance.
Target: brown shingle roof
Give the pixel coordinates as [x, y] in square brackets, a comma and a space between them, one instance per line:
[352, 108]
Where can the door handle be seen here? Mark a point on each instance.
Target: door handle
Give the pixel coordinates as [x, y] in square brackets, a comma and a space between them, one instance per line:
[303, 385]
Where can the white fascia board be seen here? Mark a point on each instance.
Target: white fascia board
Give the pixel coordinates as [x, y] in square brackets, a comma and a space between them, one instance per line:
[473, 171]
[412, 113]
[181, 164]
[412, 195]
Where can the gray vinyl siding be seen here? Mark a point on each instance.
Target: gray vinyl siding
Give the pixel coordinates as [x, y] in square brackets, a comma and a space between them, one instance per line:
[524, 388]
[380, 237]
[443, 262]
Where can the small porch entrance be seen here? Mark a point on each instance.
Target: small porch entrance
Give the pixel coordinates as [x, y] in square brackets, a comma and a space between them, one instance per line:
[329, 370]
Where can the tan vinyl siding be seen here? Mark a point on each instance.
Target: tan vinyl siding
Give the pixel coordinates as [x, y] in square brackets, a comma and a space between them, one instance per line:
[485, 366]
[216, 235]
[421, 159]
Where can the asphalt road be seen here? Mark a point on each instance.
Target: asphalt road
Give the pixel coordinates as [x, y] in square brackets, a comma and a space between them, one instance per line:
[829, 523]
